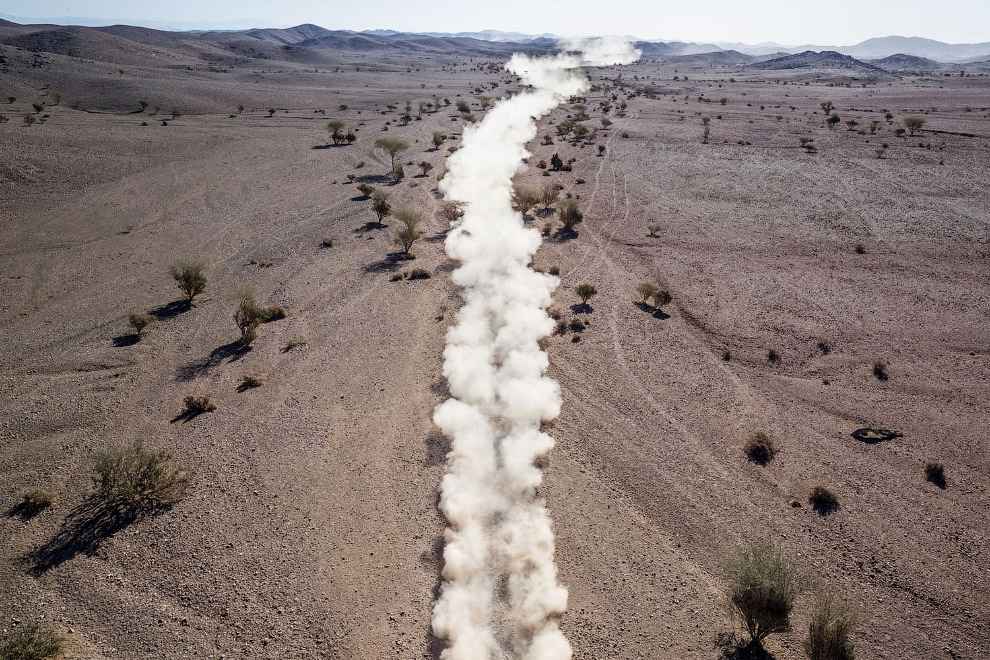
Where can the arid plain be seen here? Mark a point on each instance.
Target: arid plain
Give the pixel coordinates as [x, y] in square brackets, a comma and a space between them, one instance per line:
[312, 529]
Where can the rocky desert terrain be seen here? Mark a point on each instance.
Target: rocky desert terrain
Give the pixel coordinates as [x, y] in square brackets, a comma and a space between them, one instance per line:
[825, 280]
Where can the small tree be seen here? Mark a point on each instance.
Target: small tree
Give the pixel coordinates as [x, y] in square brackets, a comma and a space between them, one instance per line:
[426, 166]
[365, 189]
[248, 317]
[549, 194]
[525, 198]
[762, 583]
[271, 112]
[606, 122]
[438, 139]
[463, 106]
[407, 235]
[139, 321]
[380, 205]
[556, 162]
[826, 106]
[828, 632]
[570, 214]
[189, 277]
[393, 145]
[350, 137]
[175, 112]
[833, 119]
[336, 128]
[585, 292]
[914, 124]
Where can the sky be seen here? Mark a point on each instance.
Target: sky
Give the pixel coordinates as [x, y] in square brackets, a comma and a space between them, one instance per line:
[788, 22]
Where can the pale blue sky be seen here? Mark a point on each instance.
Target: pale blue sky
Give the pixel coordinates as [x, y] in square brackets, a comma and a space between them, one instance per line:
[791, 22]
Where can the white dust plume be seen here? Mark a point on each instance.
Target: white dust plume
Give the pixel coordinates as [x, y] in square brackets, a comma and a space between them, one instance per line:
[500, 598]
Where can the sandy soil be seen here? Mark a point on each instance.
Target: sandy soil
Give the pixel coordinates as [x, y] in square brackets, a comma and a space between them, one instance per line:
[312, 528]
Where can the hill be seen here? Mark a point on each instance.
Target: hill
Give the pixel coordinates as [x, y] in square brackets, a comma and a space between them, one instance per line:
[902, 62]
[718, 58]
[826, 60]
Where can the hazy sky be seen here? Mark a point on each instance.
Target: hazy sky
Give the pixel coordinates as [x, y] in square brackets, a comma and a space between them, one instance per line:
[790, 22]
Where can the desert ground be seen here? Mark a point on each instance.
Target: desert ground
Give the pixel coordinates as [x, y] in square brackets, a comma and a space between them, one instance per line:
[311, 529]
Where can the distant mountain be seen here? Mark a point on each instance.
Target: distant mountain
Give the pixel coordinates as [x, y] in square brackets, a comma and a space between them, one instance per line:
[937, 50]
[902, 62]
[825, 60]
[721, 57]
[293, 35]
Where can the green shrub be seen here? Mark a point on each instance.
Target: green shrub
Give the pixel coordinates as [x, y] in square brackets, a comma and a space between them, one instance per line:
[828, 632]
[140, 320]
[132, 476]
[762, 583]
[570, 214]
[189, 277]
[30, 642]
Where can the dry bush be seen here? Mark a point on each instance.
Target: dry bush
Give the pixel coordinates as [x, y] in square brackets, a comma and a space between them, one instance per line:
[823, 500]
[295, 342]
[773, 356]
[554, 270]
[914, 124]
[32, 502]
[760, 448]
[253, 379]
[30, 642]
[935, 473]
[327, 242]
[645, 291]
[193, 405]
[451, 211]
[408, 234]
[419, 274]
[661, 297]
[549, 194]
[570, 214]
[762, 583]
[189, 277]
[365, 189]
[577, 325]
[139, 321]
[525, 198]
[132, 476]
[828, 631]
[880, 370]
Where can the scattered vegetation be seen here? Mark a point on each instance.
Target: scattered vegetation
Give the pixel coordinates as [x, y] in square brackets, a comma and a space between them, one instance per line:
[133, 477]
[193, 405]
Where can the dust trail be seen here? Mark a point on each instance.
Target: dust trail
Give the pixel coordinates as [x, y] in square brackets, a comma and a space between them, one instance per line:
[500, 598]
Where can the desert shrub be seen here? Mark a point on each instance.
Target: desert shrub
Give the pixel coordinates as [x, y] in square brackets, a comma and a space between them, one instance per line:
[859, 248]
[3, 119]
[438, 139]
[554, 313]
[336, 128]
[399, 173]
[253, 379]
[380, 205]
[880, 370]
[899, 132]
[828, 631]
[197, 405]
[294, 343]
[271, 112]
[351, 176]
[419, 274]
[773, 356]
[365, 189]
[327, 242]
[556, 162]
[577, 325]
[646, 290]
[560, 328]
[408, 234]
[29, 119]
[30, 642]
[914, 124]
[833, 119]
[549, 194]
[554, 270]
[451, 211]
[37, 107]
[601, 149]
[189, 277]
[248, 317]
[762, 583]
[525, 198]
[350, 137]
[653, 229]
[570, 214]
[240, 108]
[823, 500]
[174, 111]
[585, 292]
[133, 476]
[935, 473]
[425, 166]
[32, 502]
[760, 448]
[140, 320]
[661, 297]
